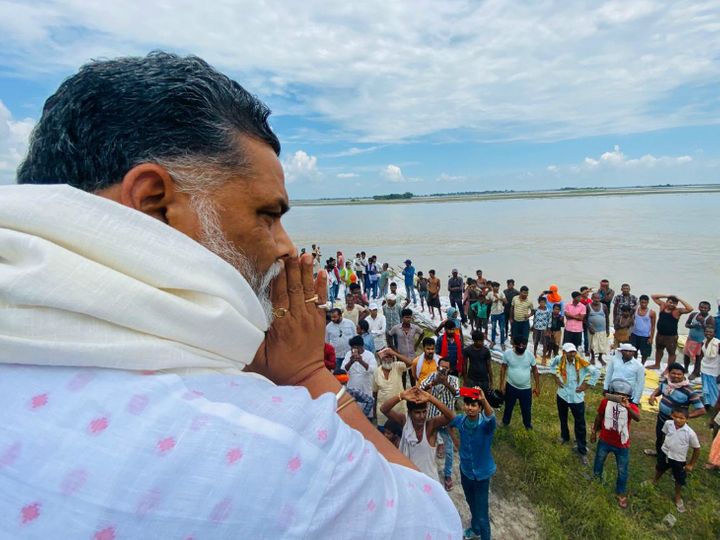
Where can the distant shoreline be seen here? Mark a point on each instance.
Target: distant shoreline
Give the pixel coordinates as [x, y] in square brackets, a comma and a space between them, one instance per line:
[540, 194]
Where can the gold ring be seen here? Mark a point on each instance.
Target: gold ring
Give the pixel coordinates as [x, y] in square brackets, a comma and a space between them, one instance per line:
[280, 312]
[313, 299]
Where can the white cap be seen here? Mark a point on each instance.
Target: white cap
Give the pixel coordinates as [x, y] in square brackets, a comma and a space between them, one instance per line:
[373, 306]
[569, 347]
[626, 347]
[391, 297]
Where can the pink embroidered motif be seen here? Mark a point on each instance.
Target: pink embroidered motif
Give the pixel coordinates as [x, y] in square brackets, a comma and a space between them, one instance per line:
[390, 503]
[233, 455]
[350, 457]
[199, 422]
[322, 435]
[9, 456]
[427, 488]
[294, 464]
[38, 401]
[371, 506]
[221, 511]
[193, 394]
[428, 536]
[98, 425]
[30, 513]
[277, 399]
[73, 481]
[286, 516]
[148, 502]
[108, 533]
[80, 380]
[165, 445]
[137, 404]
[148, 372]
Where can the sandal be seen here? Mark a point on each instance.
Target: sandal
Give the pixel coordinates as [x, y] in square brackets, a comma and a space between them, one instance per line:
[622, 502]
[650, 452]
[680, 505]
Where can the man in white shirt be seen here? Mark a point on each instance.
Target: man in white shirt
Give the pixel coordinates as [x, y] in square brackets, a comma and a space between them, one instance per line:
[338, 333]
[360, 366]
[378, 327]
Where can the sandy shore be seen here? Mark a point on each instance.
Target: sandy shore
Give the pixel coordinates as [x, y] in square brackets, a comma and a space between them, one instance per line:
[540, 194]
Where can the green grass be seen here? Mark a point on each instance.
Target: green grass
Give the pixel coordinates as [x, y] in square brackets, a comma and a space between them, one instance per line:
[571, 505]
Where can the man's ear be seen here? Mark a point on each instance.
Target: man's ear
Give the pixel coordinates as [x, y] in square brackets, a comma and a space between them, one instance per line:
[150, 189]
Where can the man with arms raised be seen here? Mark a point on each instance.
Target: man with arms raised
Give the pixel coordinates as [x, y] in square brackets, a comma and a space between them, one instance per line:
[419, 434]
[667, 326]
[134, 299]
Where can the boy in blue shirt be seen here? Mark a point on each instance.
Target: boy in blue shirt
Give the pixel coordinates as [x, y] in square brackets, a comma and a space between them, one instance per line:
[476, 428]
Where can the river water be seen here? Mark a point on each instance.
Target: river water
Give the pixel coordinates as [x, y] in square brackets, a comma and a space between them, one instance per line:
[666, 243]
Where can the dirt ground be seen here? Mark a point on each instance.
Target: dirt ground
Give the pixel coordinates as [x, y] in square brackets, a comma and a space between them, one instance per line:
[511, 517]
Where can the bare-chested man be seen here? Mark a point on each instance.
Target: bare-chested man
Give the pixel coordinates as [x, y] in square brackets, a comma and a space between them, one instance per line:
[667, 326]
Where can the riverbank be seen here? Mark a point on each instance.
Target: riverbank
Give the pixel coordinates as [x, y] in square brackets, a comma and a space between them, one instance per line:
[509, 195]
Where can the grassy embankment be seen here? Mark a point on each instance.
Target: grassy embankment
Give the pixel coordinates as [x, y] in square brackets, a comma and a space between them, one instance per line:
[571, 505]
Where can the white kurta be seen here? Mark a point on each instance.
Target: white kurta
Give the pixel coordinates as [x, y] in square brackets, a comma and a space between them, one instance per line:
[91, 446]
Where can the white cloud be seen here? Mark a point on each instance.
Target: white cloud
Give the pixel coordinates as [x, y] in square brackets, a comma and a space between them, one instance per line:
[354, 151]
[393, 173]
[301, 166]
[384, 71]
[444, 177]
[14, 135]
[616, 160]
[347, 175]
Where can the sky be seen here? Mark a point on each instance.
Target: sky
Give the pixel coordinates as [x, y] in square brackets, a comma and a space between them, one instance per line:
[380, 97]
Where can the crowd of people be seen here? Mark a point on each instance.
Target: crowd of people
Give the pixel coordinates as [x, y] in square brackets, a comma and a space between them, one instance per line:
[411, 378]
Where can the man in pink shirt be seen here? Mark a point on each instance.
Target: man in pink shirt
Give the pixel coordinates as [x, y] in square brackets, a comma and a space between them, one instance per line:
[574, 316]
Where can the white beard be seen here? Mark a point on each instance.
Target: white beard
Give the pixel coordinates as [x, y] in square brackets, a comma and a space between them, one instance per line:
[213, 238]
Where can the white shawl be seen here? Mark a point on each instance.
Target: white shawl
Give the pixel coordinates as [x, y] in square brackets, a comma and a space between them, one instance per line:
[616, 419]
[85, 281]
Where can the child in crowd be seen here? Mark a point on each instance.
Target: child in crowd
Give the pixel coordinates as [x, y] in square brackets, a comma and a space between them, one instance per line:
[541, 322]
[622, 324]
[422, 287]
[679, 437]
[553, 334]
[613, 419]
[476, 428]
[393, 432]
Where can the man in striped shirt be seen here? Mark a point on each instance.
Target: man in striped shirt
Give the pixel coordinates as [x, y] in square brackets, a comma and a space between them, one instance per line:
[446, 388]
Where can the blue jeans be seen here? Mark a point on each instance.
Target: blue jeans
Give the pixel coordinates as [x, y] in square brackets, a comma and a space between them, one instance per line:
[500, 320]
[447, 440]
[512, 395]
[622, 457]
[411, 292]
[373, 289]
[333, 292]
[476, 495]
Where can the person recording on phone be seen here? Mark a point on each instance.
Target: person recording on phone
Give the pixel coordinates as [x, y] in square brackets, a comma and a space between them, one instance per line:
[476, 428]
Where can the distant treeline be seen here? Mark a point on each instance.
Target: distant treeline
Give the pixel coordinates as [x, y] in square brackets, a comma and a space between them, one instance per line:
[393, 196]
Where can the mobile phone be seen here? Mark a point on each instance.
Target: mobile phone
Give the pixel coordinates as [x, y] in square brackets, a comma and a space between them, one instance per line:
[617, 398]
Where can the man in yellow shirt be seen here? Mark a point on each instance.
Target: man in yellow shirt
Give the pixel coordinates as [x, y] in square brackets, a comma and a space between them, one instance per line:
[422, 366]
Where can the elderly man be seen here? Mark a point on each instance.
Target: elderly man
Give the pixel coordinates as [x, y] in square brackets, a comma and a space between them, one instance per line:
[628, 368]
[134, 298]
[378, 327]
